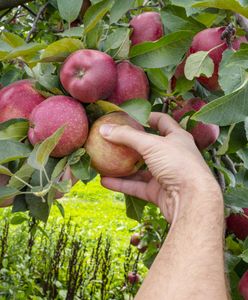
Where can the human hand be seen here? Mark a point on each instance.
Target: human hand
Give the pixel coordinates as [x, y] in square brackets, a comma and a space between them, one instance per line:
[175, 165]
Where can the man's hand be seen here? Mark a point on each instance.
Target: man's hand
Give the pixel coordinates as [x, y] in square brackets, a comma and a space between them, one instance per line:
[175, 165]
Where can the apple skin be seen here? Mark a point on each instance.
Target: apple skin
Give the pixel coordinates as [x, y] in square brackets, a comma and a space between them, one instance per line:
[147, 27]
[243, 286]
[89, 75]
[133, 278]
[206, 40]
[18, 99]
[238, 225]
[4, 179]
[204, 134]
[135, 239]
[110, 159]
[131, 83]
[53, 113]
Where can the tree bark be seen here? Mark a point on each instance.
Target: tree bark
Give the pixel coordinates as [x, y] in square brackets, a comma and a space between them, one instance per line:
[5, 4]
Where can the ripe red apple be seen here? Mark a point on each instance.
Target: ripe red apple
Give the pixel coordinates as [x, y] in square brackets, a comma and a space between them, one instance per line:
[135, 239]
[18, 99]
[146, 27]
[238, 224]
[110, 159]
[131, 83]
[209, 39]
[4, 179]
[52, 114]
[133, 277]
[243, 286]
[89, 75]
[204, 134]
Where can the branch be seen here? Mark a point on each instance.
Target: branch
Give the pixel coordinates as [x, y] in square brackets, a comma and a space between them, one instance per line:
[5, 4]
[243, 23]
[34, 27]
[29, 10]
[219, 175]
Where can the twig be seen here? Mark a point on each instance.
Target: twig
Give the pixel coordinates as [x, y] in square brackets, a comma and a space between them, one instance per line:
[219, 175]
[34, 27]
[29, 10]
[243, 22]
[229, 164]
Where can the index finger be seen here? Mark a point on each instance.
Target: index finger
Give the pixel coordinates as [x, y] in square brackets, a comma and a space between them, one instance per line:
[163, 123]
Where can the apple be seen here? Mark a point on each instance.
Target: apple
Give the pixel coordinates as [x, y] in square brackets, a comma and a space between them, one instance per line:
[4, 179]
[135, 239]
[55, 112]
[133, 277]
[110, 159]
[207, 40]
[204, 134]
[131, 83]
[238, 224]
[243, 286]
[147, 27]
[89, 75]
[18, 99]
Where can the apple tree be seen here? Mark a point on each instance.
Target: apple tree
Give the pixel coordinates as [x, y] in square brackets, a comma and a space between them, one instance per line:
[69, 66]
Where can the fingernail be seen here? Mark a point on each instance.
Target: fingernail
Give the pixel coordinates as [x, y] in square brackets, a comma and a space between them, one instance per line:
[106, 129]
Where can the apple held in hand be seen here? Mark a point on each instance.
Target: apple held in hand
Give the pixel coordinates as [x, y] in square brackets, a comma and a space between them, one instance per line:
[238, 224]
[243, 286]
[89, 75]
[55, 112]
[111, 159]
[18, 99]
[206, 40]
[204, 134]
[4, 179]
[147, 27]
[131, 83]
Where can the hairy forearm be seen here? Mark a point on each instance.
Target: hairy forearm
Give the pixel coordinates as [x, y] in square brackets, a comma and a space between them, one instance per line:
[190, 264]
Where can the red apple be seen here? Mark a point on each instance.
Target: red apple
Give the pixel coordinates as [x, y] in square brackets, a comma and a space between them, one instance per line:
[133, 278]
[238, 224]
[4, 179]
[146, 27]
[110, 159]
[204, 134]
[243, 286]
[209, 39]
[52, 114]
[135, 239]
[89, 75]
[18, 99]
[131, 83]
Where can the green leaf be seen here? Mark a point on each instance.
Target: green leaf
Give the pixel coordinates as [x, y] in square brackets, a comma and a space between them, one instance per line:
[14, 129]
[69, 10]
[5, 171]
[63, 186]
[95, 13]
[168, 51]
[15, 150]
[81, 170]
[61, 208]
[24, 173]
[40, 155]
[119, 9]
[226, 110]
[116, 38]
[12, 39]
[229, 177]
[76, 156]
[7, 192]
[59, 50]
[134, 207]
[158, 78]
[244, 255]
[59, 168]
[139, 109]
[198, 64]
[24, 50]
[236, 197]
[72, 32]
[38, 208]
[19, 219]
[243, 155]
[233, 5]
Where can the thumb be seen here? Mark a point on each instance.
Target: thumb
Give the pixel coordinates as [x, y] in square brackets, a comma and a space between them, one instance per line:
[128, 136]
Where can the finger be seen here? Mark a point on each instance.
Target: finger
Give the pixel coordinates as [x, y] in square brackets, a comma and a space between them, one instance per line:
[163, 123]
[142, 175]
[130, 187]
[128, 136]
